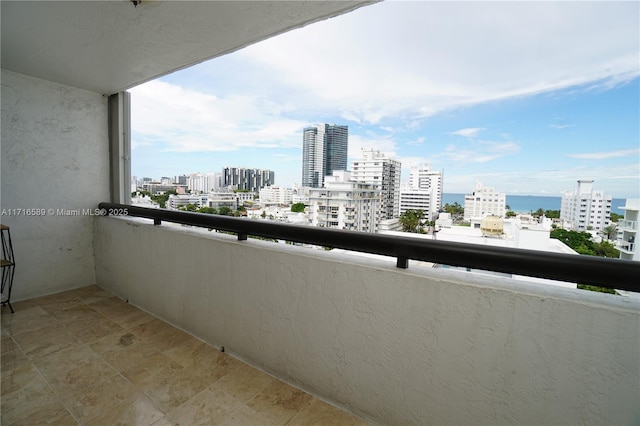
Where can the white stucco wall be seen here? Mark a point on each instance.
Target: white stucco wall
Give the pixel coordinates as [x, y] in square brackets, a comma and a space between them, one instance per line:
[415, 346]
[55, 155]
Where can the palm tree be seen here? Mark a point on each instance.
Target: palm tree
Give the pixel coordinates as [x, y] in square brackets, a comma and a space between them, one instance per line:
[610, 231]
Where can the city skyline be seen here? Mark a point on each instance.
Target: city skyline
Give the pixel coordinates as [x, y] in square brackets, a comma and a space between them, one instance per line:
[529, 98]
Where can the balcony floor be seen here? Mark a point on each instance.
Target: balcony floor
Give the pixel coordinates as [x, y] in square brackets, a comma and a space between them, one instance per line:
[87, 357]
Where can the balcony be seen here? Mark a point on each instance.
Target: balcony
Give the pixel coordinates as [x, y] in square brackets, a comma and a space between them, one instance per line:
[86, 357]
[625, 246]
[627, 225]
[386, 344]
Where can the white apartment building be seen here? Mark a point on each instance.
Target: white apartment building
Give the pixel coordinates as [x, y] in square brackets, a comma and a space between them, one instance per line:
[423, 193]
[276, 195]
[629, 228]
[375, 169]
[203, 182]
[484, 201]
[345, 204]
[585, 209]
[176, 201]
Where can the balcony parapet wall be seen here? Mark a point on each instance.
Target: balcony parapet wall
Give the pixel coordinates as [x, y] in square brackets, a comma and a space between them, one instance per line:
[395, 346]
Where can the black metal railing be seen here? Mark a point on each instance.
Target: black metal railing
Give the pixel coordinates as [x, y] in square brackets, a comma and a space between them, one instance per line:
[598, 271]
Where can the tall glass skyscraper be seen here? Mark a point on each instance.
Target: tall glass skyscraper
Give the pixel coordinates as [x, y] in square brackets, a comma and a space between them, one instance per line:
[324, 149]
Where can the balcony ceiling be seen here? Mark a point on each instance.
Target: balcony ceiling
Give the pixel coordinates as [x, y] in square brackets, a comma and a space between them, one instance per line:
[109, 46]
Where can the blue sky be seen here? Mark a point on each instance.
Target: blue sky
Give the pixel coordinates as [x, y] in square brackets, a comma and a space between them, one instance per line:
[526, 97]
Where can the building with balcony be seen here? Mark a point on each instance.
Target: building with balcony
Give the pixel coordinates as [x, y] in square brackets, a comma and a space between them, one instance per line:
[345, 204]
[177, 201]
[120, 320]
[424, 192]
[628, 226]
[376, 169]
[484, 201]
[324, 150]
[585, 209]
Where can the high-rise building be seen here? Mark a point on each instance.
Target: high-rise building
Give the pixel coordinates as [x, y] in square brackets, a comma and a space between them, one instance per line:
[484, 201]
[423, 193]
[345, 204]
[247, 179]
[324, 150]
[376, 169]
[585, 209]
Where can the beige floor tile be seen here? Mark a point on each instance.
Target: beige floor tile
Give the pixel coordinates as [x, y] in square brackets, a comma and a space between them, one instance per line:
[138, 411]
[279, 402]
[90, 331]
[319, 413]
[149, 372]
[109, 304]
[26, 320]
[19, 378]
[44, 340]
[243, 383]
[11, 361]
[79, 313]
[151, 328]
[206, 408]
[52, 304]
[130, 318]
[98, 397]
[74, 382]
[7, 344]
[170, 389]
[246, 416]
[169, 338]
[205, 361]
[19, 306]
[58, 363]
[30, 404]
[114, 342]
[132, 357]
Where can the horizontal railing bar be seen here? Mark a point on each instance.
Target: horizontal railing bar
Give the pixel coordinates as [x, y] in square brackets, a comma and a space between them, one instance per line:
[591, 270]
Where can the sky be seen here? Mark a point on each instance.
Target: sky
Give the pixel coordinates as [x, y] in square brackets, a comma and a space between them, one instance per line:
[524, 97]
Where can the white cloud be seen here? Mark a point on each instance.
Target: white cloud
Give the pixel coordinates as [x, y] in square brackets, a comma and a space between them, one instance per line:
[191, 121]
[607, 154]
[480, 152]
[432, 56]
[469, 132]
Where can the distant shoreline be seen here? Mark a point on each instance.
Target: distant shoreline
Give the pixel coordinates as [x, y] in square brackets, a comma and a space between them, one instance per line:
[526, 204]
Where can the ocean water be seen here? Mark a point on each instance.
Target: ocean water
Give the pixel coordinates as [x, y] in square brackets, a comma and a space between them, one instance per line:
[531, 203]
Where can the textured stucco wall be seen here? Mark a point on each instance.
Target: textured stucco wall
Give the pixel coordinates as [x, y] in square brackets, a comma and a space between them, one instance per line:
[55, 155]
[416, 346]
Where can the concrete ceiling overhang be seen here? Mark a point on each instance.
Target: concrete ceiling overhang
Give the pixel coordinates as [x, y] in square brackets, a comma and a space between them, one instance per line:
[109, 46]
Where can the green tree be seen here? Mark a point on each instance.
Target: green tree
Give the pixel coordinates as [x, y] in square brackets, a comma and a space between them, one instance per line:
[264, 214]
[189, 207]
[225, 211]
[510, 214]
[454, 208]
[411, 220]
[538, 212]
[616, 217]
[552, 214]
[297, 207]
[207, 210]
